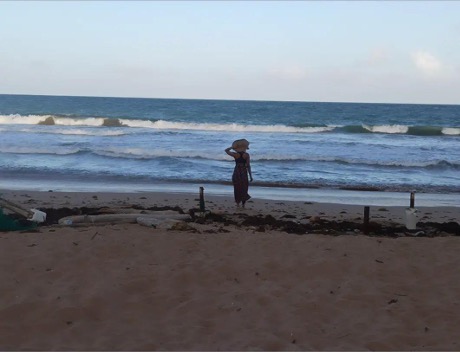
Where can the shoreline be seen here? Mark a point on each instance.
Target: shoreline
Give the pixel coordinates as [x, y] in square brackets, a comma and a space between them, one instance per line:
[362, 197]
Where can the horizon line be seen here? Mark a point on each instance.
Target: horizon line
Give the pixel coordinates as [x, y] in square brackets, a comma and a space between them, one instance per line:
[225, 99]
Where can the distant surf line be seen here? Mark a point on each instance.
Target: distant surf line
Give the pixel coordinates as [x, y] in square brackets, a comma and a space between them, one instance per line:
[161, 125]
[152, 154]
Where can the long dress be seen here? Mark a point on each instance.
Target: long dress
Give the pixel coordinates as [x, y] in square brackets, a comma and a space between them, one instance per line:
[240, 180]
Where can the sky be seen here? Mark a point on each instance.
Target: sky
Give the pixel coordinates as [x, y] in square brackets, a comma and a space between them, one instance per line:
[342, 51]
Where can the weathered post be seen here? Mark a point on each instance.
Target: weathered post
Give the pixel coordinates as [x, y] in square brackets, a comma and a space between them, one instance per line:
[412, 199]
[411, 213]
[366, 219]
[202, 205]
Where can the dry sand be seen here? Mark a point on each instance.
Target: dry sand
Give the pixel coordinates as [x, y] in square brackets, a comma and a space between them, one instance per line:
[226, 287]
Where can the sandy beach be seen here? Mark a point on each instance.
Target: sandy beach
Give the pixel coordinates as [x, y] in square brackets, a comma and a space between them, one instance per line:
[277, 276]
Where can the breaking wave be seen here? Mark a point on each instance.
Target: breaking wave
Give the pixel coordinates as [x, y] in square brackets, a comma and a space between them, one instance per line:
[66, 121]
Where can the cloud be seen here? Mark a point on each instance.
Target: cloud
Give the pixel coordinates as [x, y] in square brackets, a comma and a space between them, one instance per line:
[427, 63]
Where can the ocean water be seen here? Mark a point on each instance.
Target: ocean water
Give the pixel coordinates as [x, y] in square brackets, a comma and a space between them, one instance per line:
[131, 144]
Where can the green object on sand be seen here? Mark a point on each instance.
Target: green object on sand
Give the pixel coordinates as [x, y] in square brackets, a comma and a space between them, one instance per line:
[7, 223]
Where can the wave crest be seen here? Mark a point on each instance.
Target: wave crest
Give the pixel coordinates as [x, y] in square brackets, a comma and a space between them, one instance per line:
[451, 131]
[161, 125]
[387, 128]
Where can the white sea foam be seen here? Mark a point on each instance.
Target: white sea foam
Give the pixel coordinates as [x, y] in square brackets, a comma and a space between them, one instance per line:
[234, 127]
[137, 123]
[160, 124]
[387, 128]
[16, 119]
[451, 131]
[89, 121]
[139, 153]
[35, 150]
[77, 132]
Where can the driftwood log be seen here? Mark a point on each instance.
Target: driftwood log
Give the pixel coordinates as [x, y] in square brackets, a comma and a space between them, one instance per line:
[152, 219]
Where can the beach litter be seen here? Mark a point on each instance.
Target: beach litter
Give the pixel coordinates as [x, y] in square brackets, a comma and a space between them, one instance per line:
[8, 223]
[32, 214]
[411, 218]
[21, 219]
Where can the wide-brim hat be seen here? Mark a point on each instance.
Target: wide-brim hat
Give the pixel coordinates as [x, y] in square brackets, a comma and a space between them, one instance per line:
[240, 145]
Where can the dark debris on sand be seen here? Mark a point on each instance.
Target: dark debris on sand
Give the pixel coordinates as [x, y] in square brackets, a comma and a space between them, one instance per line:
[262, 223]
[288, 224]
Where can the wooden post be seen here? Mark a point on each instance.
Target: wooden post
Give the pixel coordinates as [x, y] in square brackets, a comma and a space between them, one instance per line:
[366, 219]
[202, 206]
[412, 199]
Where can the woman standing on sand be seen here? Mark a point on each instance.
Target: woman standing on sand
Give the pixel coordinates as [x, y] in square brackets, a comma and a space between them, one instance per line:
[242, 169]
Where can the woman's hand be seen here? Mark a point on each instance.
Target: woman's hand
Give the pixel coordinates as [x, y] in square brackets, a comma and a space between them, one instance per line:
[251, 179]
[229, 152]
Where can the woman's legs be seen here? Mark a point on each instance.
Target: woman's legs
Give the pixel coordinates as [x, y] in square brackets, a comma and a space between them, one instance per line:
[240, 185]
